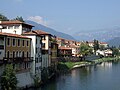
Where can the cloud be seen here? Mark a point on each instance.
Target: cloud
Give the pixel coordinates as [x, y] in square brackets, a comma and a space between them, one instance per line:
[38, 19]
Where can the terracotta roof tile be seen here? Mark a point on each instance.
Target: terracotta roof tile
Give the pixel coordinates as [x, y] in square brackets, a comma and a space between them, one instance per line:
[14, 22]
[12, 35]
[66, 48]
[40, 32]
[29, 33]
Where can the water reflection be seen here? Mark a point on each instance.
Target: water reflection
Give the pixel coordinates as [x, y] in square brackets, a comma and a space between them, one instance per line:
[105, 76]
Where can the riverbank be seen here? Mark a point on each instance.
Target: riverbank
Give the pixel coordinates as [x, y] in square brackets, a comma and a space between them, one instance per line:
[66, 66]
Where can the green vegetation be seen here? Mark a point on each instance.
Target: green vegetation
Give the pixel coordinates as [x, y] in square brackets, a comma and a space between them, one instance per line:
[106, 59]
[85, 49]
[63, 67]
[8, 78]
[19, 18]
[66, 66]
[96, 45]
[115, 51]
[3, 18]
[36, 81]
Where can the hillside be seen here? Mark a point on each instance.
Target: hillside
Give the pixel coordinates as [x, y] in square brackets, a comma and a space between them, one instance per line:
[114, 42]
[50, 30]
[100, 34]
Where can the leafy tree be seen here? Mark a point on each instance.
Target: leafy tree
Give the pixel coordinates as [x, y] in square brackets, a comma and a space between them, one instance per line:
[8, 78]
[102, 47]
[3, 18]
[115, 51]
[19, 18]
[85, 49]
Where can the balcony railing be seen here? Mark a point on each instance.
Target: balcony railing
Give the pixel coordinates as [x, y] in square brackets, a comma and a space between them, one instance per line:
[17, 59]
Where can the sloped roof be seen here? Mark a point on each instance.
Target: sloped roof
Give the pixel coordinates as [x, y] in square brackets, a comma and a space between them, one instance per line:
[65, 48]
[40, 32]
[14, 22]
[13, 35]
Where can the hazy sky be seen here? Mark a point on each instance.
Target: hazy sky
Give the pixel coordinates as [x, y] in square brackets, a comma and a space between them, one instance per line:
[67, 16]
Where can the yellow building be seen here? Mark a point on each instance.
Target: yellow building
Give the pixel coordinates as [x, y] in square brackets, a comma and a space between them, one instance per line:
[16, 50]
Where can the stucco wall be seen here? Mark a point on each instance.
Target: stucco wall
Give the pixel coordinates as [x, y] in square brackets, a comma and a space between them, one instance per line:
[24, 79]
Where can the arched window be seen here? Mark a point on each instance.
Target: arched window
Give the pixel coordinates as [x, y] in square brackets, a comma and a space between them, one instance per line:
[27, 54]
[23, 54]
[13, 54]
[8, 53]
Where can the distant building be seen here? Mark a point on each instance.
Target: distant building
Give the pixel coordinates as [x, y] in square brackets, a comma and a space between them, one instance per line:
[64, 51]
[106, 52]
[103, 44]
[75, 50]
[54, 53]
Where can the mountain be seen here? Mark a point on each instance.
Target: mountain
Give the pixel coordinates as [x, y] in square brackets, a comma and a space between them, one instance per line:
[49, 30]
[114, 42]
[100, 34]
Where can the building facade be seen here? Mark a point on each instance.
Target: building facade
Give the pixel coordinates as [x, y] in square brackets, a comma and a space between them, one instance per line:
[15, 27]
[36, 52]
[16, 51]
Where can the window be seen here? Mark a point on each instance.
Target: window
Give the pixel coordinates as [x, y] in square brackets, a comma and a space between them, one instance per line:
[43, 45]
[27, 54]
[27, 43]
[20, 55]
[13, 42]
[23, 54]
[13, 54]
[4, 27]
[17, 54]
[18, 42]
[36, 49]
[8, 53]
[10, 27]
[8, 41]
[36, 41]
[43, 37]
[16, 27]
[23, 43]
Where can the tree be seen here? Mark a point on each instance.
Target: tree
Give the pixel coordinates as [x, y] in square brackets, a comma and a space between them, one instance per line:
[102, 47]
[19, 18]
[3, 18]
[8, 78]
[85, 49]
[96, 45]
[115, 51]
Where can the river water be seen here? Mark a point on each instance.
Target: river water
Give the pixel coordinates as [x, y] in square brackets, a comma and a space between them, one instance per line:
[105, 76]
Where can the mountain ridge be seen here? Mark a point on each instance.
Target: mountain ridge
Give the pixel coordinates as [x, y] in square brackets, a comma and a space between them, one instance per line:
[100, 34]
[50, 30]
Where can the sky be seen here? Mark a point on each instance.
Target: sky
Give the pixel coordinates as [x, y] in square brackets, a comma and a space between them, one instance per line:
[68, 16]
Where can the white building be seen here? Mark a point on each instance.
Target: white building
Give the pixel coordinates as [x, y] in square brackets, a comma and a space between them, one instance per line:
[75, 50]
[46, 48]
[35, 52]
[106, 52]
[15, 27]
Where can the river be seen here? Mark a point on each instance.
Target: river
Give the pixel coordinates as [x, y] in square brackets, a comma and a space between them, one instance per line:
[105, 76]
